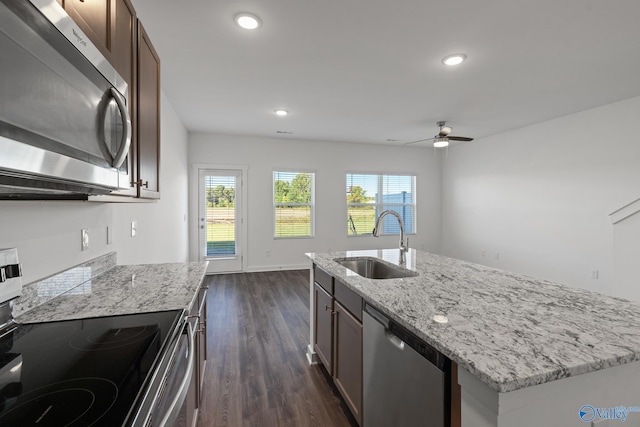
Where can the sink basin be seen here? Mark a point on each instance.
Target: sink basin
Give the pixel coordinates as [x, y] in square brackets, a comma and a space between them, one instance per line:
[374, 268]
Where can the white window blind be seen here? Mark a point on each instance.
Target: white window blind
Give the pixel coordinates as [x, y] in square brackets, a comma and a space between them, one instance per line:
[293, 202]
[220, 193]
[369, 194]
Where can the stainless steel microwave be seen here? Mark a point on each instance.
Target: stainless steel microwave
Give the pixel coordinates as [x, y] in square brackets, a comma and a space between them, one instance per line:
[65, 129]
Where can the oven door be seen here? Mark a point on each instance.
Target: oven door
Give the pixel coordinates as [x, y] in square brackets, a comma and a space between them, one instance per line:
[166, 399]
[64, 115]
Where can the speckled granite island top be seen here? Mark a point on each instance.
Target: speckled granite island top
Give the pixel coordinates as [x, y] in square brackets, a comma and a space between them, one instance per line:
[509, 330]
[114, 290]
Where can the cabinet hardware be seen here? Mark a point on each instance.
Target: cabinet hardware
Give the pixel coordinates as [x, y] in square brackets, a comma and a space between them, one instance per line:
[327, 308]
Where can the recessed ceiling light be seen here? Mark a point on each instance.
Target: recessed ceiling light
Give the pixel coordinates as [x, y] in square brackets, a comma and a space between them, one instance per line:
[454, 59]
[248, 21]
[280, 112]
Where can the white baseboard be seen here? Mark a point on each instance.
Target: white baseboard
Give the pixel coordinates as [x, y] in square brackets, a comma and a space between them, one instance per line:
[261, 268]
[312, 357]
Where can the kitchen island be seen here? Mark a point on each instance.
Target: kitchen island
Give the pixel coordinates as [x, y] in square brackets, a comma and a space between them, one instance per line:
[529, 352]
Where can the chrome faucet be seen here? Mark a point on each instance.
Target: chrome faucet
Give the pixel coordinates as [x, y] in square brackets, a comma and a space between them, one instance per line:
[403, 247]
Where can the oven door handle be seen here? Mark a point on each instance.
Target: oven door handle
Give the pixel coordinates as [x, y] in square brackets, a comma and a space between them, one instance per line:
[172, 413]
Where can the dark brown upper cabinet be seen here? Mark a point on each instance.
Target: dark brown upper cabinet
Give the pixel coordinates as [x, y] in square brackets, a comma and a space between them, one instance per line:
[148, 118]
[112, 26]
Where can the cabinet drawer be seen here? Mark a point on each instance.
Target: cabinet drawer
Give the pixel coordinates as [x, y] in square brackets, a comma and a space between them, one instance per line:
[349, 299]
[323, 278]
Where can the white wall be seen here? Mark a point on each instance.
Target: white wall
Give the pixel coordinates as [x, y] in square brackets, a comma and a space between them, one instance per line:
[330, 161]
[541, 195]
[626, 253]
[47, 234]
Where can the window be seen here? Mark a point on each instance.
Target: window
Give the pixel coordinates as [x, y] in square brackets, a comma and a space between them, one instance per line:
[293, 204]
[368, 195]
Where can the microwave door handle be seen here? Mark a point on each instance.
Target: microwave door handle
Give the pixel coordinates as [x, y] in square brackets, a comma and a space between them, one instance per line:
[125, 142]
[172, 413]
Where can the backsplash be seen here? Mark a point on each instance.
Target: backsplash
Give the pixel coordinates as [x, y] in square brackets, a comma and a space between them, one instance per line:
[39, 292]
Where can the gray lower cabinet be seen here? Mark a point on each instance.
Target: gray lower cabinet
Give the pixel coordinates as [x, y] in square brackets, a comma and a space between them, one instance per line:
[324, 327]
[338, 337]
[347, 367]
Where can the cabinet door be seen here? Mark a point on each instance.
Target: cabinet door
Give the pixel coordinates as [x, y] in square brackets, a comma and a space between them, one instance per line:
[94, 19]
[123, 37]
[148, 85]
[347, 369]
[323, 336]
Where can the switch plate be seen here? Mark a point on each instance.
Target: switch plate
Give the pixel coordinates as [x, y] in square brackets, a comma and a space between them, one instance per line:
[109, 235]
[134, 228]
[85, 239]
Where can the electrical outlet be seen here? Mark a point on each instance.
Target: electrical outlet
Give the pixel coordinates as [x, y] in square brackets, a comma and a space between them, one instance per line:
[497, 255]
[85, 239]
[595, 274]
[483, 252]
[268, 253]
[134, 228]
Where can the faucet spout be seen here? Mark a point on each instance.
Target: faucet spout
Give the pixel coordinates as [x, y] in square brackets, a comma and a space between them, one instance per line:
[402, 246]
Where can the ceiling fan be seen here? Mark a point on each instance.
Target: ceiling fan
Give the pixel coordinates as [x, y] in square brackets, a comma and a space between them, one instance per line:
[442, 138]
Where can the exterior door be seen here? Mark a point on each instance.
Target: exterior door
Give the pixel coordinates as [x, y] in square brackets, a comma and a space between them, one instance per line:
[220, 219]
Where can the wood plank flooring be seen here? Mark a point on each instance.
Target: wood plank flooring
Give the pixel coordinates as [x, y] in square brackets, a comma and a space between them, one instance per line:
[257, 372]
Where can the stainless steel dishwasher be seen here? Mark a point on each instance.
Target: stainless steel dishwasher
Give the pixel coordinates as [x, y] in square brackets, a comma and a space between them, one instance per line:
[406, 382]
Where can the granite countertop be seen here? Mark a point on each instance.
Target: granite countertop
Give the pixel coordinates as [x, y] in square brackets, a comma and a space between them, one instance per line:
[100, 288]
[508, 330]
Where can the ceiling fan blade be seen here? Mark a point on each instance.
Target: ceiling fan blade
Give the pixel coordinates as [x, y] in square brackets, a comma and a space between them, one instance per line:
[459, 138]
[420, 140]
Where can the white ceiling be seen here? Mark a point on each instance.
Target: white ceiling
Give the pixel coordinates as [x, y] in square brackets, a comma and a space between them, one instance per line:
[370, 70]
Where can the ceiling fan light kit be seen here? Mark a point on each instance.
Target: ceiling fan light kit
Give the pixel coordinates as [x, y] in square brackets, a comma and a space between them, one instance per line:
[442, 139]
[441, 142]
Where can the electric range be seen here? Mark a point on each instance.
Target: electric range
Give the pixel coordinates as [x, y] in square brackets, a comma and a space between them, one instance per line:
[86, 372]
[100, 371]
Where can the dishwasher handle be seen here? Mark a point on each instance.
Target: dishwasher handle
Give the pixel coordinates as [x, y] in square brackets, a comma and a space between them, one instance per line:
[379, 317]
[397, 342]
[400, 337]
[384, 321]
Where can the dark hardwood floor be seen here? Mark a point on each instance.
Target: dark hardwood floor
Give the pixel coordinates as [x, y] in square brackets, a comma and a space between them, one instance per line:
[257, 372]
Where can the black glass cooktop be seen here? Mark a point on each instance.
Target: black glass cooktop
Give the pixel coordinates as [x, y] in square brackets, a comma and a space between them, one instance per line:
[85, 372]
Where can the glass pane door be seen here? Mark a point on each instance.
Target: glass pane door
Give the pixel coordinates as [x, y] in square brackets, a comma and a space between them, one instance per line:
[220, 218]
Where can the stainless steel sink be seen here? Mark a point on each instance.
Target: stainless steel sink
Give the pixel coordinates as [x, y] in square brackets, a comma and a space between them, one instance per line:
[374, 268]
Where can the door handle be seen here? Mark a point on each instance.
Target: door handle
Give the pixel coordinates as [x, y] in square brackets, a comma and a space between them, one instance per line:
[125, 141]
